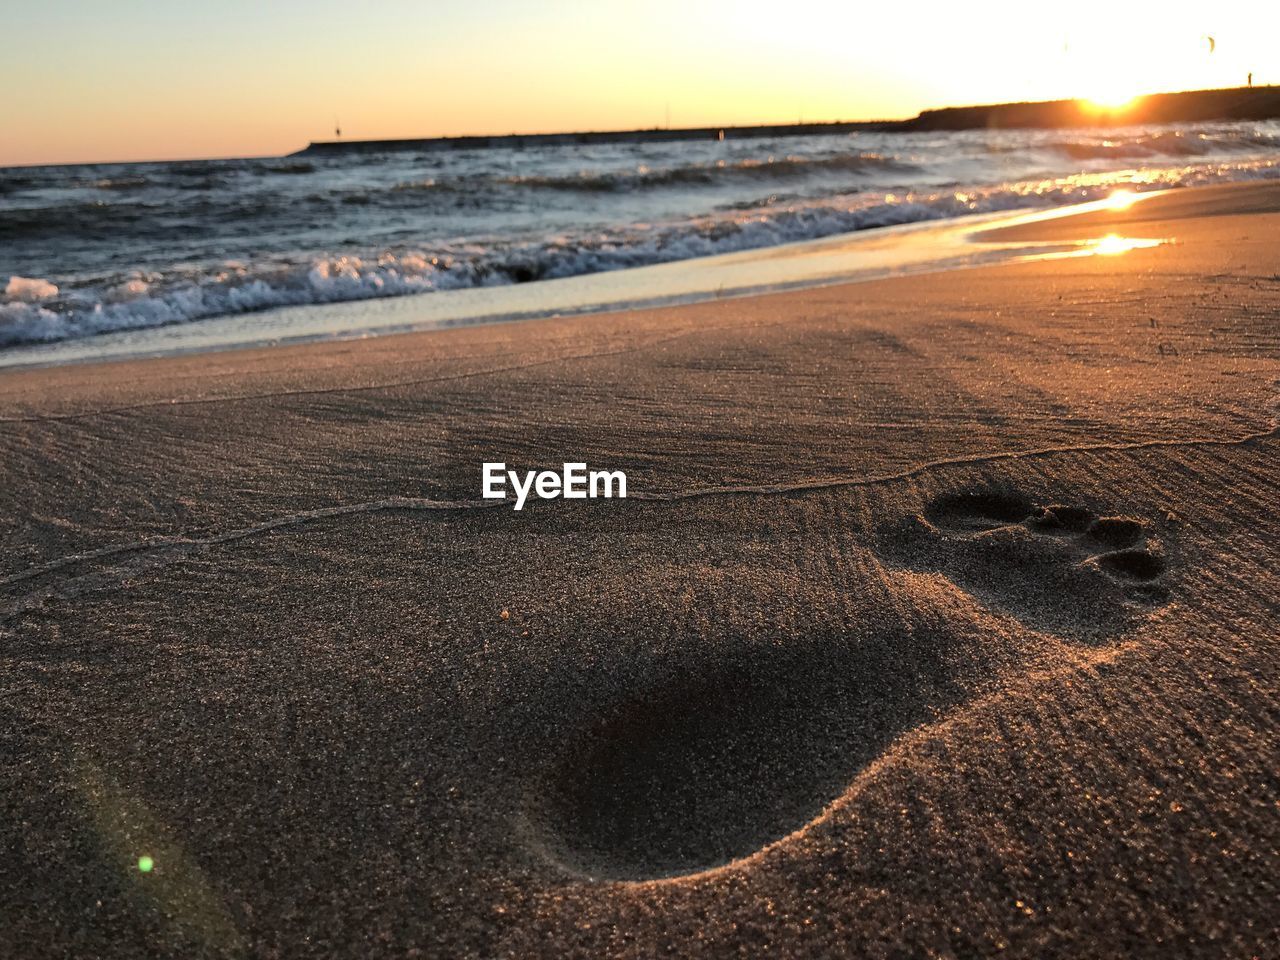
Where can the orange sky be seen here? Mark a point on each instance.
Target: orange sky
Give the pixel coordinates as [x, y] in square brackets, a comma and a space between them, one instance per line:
[87, 81]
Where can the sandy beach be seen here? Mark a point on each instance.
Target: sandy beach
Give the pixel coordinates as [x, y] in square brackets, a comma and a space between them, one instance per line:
[941, 621]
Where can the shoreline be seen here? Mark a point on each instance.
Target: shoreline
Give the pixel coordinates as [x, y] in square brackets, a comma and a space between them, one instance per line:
[314, 274]
[912, 248]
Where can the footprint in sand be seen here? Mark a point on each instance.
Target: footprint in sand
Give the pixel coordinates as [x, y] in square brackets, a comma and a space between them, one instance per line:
[736, 753]
[702, 770]
[1059, 567]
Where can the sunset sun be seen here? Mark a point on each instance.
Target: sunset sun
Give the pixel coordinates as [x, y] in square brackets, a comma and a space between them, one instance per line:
[1111, 98]
[1109, 86]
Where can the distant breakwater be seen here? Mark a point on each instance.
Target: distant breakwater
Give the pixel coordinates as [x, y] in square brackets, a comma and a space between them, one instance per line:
[1238, 103]
[520, 141]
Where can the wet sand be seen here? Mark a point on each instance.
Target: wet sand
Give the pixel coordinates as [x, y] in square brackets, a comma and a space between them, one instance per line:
[941, 621]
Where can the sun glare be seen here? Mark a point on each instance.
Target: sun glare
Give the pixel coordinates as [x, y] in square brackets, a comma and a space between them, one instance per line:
[1111, 100]
[1110, 69]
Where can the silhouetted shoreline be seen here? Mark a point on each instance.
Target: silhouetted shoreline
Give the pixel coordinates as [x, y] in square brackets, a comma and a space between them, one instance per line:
[1237, 103]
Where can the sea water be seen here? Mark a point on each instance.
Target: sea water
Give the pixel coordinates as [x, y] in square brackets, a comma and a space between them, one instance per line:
[90, 249]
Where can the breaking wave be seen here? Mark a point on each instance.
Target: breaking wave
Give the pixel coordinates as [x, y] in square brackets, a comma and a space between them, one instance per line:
[644, 177]
[770, 168]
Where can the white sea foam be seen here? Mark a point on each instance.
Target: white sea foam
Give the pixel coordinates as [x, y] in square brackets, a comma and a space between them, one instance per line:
[29, 290]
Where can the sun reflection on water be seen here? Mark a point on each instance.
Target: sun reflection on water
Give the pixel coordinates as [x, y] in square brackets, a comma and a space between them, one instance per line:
[1113, 244]
[1121, 200]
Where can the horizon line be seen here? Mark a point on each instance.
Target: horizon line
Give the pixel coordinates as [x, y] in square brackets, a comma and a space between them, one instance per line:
[1107, 109]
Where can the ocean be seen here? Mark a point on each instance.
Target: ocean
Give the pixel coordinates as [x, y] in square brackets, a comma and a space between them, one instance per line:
[90, 249]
